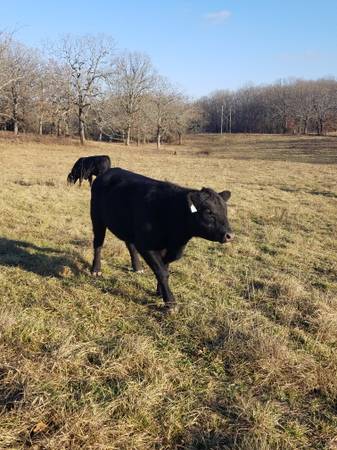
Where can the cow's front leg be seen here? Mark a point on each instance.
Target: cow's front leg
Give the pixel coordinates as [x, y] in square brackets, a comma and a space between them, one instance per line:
[154, 260]
[135, 262]
[90, 180]
[159, 290]
[168, 256]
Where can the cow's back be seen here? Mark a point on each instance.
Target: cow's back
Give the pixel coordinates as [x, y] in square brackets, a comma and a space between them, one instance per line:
[117, 177]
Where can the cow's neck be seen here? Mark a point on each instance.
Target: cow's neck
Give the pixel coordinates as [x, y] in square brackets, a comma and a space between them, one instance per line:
[179, 219]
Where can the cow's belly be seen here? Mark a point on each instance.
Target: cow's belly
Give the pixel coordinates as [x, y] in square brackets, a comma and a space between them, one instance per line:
[119, 223]
[127, 215]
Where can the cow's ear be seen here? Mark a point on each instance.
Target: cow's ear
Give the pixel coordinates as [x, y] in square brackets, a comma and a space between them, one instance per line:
[225, 195]
[193, 201]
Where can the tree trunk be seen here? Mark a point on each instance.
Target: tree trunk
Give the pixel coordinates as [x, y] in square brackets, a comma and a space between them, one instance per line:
[158, 139]
[319, 126]
[81, 125]
[15, 117]
[285, 125]
[305, 126]
[82, 133]
[66, 128]
[180, 138]
[41, 126]
[230, 120]
[100, 137]
[128, 134]
[15, 127]
[58, 128]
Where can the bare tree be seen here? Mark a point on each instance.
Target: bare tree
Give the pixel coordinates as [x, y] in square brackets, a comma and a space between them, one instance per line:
[43, 93]
[183, 117]
[164, 100]
[21, 65]
[324, 103]
[132, 80]
[6, 40]
[89, 61]
[61, 98]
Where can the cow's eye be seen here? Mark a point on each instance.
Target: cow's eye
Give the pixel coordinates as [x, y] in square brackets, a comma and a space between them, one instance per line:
[209, 214]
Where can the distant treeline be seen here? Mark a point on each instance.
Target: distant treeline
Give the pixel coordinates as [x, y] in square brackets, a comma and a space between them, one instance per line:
[290, 106]
[82, 86]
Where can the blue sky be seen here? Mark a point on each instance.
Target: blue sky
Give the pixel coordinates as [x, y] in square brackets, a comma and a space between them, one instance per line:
[199, 45]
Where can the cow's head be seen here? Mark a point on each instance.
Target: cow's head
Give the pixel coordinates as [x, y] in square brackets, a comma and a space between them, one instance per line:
[208, 215]
[71, 179]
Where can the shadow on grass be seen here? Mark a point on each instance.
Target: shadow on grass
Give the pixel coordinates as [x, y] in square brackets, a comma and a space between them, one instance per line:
[45, 261]
[10, 393]
[140, 295]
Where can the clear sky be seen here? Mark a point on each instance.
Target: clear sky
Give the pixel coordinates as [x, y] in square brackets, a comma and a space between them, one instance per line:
[199, 45]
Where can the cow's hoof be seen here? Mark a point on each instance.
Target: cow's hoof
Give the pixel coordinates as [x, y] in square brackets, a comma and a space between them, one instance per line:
[171, 309]
[96, 274]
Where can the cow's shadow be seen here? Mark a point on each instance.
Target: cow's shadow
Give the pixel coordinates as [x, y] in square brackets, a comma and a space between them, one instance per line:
[141, 295]
[44, 261]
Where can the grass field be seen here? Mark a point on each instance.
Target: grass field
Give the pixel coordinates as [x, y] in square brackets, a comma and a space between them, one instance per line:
[249, 361]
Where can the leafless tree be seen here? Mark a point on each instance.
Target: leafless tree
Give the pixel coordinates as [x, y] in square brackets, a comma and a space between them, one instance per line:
[324, 103]
[164, 104]
[89, 61]
[5, 44]
[62, 108]
[21, 66]
[132, 80]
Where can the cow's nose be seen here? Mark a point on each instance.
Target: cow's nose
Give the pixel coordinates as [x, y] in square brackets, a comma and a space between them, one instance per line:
[229, 236]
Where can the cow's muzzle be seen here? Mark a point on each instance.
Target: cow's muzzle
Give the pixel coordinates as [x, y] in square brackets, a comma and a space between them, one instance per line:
[227, 237]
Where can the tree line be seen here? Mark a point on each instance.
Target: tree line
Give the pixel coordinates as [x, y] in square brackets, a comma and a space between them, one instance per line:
[81, 85]
[293, 106]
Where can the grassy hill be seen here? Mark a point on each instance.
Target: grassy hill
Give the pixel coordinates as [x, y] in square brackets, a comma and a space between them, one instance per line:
[249, 360]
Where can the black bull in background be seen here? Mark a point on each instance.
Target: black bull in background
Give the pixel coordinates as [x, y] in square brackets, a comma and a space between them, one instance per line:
[85, 168]
[155, 219]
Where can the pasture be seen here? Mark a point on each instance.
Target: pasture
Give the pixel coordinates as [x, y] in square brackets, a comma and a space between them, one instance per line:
[249, 361]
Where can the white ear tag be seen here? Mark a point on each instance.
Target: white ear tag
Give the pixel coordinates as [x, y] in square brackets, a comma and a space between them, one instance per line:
[193, 208]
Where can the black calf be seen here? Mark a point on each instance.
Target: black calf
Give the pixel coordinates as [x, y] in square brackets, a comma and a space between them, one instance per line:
[155, 219]
[85, 168]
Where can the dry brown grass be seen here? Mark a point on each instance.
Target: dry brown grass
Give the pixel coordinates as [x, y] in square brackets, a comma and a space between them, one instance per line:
[249, 362]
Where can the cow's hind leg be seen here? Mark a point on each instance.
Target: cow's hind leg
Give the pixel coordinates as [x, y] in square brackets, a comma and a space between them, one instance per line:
[154, 260]
[99, 235]
[135, 262]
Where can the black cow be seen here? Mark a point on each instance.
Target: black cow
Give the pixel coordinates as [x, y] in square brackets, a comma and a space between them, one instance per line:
[155, 219]
[86, 167]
